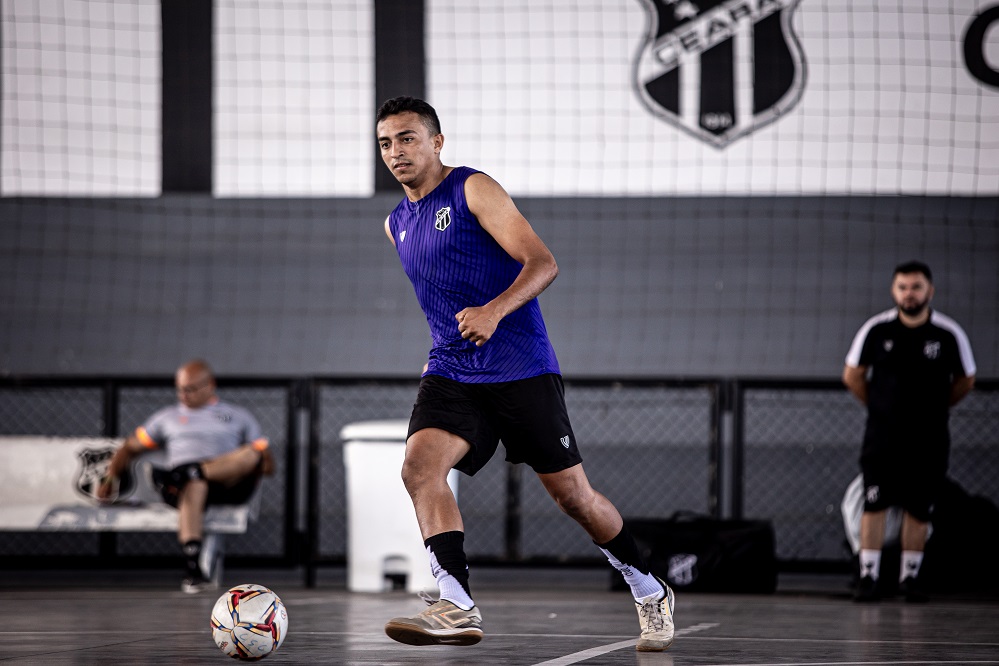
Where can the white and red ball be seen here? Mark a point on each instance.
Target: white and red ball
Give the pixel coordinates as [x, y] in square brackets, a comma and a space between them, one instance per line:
[249, 622]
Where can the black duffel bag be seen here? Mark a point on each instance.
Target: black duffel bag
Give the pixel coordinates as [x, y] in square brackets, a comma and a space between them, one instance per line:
[698, 553]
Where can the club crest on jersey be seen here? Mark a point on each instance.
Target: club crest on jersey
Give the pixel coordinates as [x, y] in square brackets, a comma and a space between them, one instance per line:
[443, 218]
[931, 349]
[720, 69]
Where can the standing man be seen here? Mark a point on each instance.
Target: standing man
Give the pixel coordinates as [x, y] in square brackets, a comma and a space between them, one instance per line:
[920, 364]
[477, 267]
[216, 455]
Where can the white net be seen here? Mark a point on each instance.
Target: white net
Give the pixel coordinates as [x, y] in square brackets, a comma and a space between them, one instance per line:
[80, 98]
[557, 97]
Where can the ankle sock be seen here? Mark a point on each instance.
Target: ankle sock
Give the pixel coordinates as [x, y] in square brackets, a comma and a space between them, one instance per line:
[870, 563]
[450, 567]
[622, 553]
[911, 561]
[192, 553]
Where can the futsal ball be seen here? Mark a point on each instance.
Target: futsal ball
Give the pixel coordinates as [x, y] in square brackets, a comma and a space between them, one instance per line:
[249, 622]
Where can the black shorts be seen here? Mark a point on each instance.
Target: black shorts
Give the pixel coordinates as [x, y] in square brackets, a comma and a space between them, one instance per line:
[913, 489]
[528, 415]
[904, 469]
[170, 483]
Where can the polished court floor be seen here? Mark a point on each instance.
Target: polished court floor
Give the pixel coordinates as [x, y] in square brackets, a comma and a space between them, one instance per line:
[531, 617]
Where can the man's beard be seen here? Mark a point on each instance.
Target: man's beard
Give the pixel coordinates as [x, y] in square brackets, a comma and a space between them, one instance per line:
[913, 310]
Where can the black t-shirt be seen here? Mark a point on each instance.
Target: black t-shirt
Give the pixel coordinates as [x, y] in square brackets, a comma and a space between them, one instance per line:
[912, 370]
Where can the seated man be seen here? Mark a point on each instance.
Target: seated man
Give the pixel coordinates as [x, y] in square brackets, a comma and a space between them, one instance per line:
[216, 455]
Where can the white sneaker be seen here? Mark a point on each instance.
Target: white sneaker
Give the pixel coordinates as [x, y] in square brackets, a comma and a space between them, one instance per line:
[442, 623]
[656, 618]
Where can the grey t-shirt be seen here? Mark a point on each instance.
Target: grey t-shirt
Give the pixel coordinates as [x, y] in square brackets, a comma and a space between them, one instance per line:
[192, 435]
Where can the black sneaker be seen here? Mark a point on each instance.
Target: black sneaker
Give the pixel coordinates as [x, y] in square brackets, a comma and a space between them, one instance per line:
[912, 591]
[196, 584]
[867, 590]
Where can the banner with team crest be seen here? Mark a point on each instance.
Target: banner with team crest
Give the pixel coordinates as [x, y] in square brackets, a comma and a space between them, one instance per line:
[720, 69]
[721, 97]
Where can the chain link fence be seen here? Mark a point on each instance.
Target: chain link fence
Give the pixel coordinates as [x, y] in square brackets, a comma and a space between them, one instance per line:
[51, 411]
[646, 447]
[54, 410]
[800, 453]
[652, 448]
[801, 448]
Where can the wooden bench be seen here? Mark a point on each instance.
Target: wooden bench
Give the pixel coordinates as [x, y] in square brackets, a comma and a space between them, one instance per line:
[45, 485]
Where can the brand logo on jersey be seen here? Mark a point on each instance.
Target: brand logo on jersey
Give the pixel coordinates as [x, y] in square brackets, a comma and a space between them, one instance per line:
[565, 441]
[889, 344]
[931, 349]
[720, 69]
[443, 218]
[224, 417]
[402, 235]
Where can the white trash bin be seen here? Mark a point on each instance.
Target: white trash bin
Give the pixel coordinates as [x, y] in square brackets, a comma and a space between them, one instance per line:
[383, 537]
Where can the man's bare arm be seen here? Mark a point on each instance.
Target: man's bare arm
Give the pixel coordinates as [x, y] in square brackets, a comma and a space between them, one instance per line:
[961, 387]
[120, 461]
[501, 219]
[855, 379]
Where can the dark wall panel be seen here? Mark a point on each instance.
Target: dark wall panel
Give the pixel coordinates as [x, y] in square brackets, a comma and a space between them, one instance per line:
[648, 287]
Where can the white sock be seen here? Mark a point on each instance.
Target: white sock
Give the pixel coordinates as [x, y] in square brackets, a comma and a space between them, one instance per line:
[643, 585]
[451, 589]
[911, 561]
[870, 563]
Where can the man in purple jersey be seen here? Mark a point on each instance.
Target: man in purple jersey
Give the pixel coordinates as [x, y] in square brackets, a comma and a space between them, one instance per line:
[920, 365]
[477, 268]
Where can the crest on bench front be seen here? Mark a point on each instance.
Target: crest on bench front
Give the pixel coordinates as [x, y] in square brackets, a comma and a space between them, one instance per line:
[94, 464]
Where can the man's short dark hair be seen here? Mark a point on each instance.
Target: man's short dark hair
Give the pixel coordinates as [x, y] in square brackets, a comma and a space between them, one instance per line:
[914, 267]
[405, 103]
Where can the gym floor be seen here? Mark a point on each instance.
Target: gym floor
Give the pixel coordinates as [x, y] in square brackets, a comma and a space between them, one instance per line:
[530, 616]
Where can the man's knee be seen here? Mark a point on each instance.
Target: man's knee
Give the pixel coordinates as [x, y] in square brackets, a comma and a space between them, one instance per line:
[416, 473]
[194, 494]
[430, 455]
[575, 501]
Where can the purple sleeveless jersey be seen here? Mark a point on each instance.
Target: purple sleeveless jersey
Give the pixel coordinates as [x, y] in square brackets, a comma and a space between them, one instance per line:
[454, 264]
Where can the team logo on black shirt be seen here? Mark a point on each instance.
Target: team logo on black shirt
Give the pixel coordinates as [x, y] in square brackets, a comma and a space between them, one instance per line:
[443, 218]
[931, 349]
[873, 494]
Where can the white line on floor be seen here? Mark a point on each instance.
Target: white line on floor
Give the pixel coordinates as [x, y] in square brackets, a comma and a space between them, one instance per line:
[583, 655]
